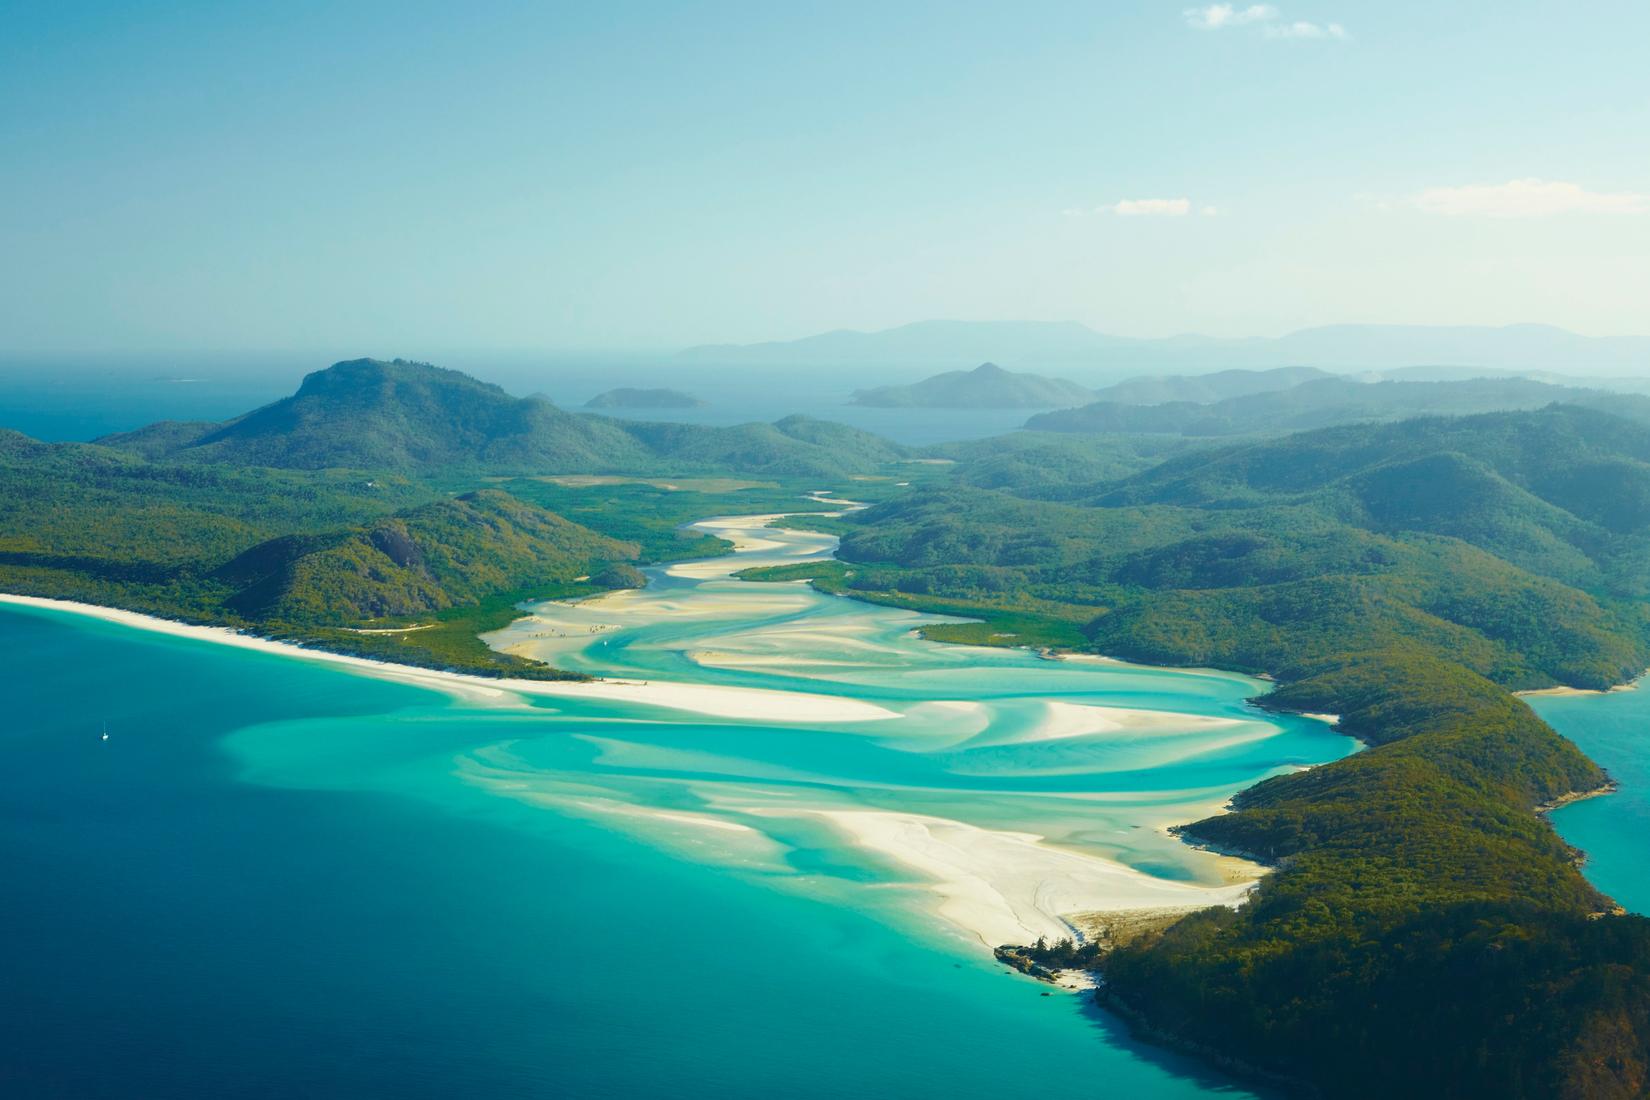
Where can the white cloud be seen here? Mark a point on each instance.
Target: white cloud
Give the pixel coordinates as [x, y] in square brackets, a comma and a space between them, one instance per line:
[1174, 208]
[1303, 29]
[1210, 211]
[1216, 16]
[1528, 198]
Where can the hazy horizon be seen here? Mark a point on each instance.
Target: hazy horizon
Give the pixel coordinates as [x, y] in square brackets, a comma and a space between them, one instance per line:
[640, 178]
[665, 353]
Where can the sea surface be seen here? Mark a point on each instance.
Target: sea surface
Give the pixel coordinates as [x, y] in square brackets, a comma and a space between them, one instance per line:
[283, 877]
[1613, 829]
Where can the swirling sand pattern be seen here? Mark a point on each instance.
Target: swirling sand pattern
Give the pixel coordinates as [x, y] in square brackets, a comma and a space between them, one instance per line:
[999, 790]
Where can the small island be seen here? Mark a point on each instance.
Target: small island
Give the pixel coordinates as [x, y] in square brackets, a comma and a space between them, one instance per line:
[626, 397]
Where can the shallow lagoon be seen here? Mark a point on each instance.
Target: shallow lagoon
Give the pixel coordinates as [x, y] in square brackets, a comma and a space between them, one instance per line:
[279, 877]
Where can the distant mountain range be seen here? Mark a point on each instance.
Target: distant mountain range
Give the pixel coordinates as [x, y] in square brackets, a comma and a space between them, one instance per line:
[1206, 388]
[1072, 346]
[987, 386]
[368, 414]
[1325, 401]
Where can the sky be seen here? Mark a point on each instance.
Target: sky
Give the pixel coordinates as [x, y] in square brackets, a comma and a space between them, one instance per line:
[417, 177]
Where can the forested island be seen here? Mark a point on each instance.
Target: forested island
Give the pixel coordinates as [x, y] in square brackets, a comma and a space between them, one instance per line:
[1423, 923]
[627, 397]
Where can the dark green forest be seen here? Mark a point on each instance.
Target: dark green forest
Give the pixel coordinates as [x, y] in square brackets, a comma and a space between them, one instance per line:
[1424, 923]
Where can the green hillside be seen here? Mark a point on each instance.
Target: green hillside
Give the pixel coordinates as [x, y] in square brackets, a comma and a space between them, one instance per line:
[1203, 389]
[797, 446]
[371, 415]
[987, 386]
[1560, 492]
[314, 556]
[1324, 402]
[1046, 463]
[1404, 577]
[430, 558]
[418, 419]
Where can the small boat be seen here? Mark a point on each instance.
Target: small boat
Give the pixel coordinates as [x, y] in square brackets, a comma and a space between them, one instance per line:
[105, 731]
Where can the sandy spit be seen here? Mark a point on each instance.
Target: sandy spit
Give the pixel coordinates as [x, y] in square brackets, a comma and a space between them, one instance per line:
[706, 700]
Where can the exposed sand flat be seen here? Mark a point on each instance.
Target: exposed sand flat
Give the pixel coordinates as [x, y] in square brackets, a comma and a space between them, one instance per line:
[1009, 887]
[938, 725]
[715, 658]
[1116, 662]
[739, 528]
[748, 544]
[712, 701]
[630, 603]
[1068, 720]
[711, 568]
[847, 643]
[751, 704]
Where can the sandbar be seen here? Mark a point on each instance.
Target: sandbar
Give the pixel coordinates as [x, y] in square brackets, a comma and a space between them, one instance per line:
[711, 701]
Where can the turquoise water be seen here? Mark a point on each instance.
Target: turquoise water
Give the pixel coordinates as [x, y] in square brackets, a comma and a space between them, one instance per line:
[280, 877]
[1614, 829]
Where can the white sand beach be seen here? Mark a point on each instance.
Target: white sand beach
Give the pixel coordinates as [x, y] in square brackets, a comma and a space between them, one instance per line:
[1010, 887]
[1631, 685]
[750, 704]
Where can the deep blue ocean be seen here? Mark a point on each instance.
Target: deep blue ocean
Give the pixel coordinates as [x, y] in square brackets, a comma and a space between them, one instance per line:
[172, 929]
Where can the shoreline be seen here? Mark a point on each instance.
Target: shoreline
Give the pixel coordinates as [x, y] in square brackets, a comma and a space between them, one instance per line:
[1561, 691]
[997, 885]
[756, 704]
[1009, 887]
[1610, 786]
